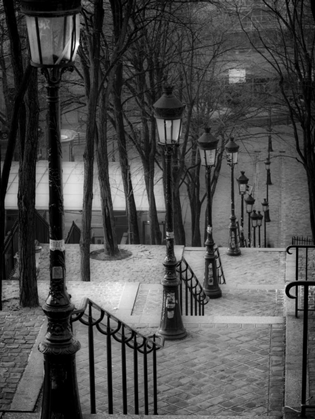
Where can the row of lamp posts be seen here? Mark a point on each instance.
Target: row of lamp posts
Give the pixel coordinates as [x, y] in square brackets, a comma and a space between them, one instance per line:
[53, 30]
[255, 218]
[168, 111]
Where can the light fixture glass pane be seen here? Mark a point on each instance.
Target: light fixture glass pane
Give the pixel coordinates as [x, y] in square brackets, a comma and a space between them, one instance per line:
[161, 130]
[53, 40]
[168, 130]
[203, 157]
[231, 158]
[243, 188]
[210, 157]
[176, 126]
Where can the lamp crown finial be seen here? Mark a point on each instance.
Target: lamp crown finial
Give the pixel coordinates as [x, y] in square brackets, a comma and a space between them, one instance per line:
[168, 89]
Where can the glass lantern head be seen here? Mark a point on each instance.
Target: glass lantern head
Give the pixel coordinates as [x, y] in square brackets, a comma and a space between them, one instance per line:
[254, 217]
[242, 183]
[265, 205]
[53, 29]
[231, 149]
[259, 219]
[250, 201]
[208, 148]
[168, 111]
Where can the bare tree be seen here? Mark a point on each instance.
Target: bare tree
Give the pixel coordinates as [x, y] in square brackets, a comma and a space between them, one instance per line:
[283, 34]
[23, 122]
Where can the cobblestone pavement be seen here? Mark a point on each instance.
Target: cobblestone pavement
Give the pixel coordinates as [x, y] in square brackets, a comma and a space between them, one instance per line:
[233, 366]
[18, 332]
[227, 368]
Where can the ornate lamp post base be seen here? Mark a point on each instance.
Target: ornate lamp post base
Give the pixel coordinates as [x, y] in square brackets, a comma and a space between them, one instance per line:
[171, 325]
[214, 292]
[234, 248]
[210, 285]
[60, 395]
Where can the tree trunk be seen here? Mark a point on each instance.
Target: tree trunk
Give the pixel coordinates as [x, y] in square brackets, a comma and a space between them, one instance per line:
[155, 233]
[26, 201]
[179, 229]
[85, 238]
[92, 83]
[110, 238]
[123, 159]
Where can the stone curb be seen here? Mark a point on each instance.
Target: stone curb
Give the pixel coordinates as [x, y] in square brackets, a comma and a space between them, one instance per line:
[293, 354]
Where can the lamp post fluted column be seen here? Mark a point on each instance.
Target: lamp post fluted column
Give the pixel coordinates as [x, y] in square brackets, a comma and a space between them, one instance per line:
[242, 186]
[53, 30]
[259, 223]
[250, 201]
[265, 206]
[207, 144]
[234, 248]
[171, 325]
[168, 111]
[60, 392]
[211, 285]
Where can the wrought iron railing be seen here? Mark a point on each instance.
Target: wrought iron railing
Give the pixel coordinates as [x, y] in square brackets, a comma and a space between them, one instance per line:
[302, 267]
[119, 348]
[220, 272]
[306, 285]
[191, 294]
[300, 240]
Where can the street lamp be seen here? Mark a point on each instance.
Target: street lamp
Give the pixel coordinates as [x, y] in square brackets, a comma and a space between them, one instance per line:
[242, 188]
[231, 156]
[53, 30]
[208, 148]
[259, 224]
[254, 217]
[267, 165]
[266, 219]
[168, 112]
[250, 201]
[268, 182]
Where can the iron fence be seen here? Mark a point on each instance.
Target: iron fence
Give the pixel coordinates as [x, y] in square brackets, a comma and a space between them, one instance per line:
[125, 357]
[303, 264]
[306, 285]
[191, 294]
[220, 272]
[300, 240]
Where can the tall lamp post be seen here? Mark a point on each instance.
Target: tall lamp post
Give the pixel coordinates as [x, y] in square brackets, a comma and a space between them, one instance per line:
[254, 217]
[242, 188]
[208, 148]
[265, 206]
[168, 112]
[268, 182]
[250, 201]
[231, 156]
[53, 30]
[259, 224]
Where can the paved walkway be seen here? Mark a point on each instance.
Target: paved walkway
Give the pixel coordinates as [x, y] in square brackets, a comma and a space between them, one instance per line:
[231, 364]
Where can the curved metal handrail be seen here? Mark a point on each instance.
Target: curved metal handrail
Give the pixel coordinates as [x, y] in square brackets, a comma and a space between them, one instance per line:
[306, 285]
[297, 246]
[192, 281]
[79, 313]
[295, 284]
